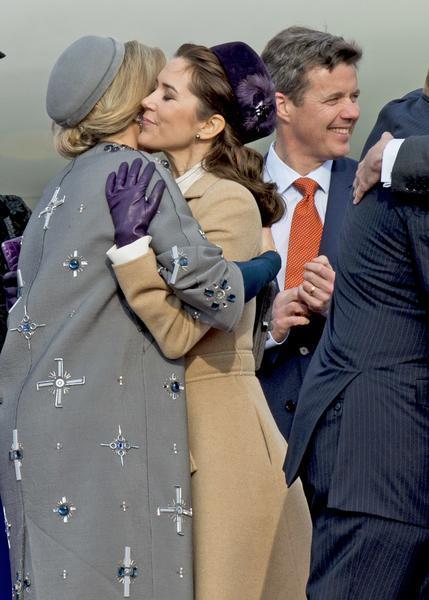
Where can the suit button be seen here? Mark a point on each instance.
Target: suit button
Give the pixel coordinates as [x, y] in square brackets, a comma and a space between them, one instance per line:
[290, 405]
[304, 351]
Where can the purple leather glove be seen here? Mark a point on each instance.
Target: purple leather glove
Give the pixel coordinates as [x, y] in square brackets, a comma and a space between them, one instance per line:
[11, 250]
[10, 288]
[130, 209]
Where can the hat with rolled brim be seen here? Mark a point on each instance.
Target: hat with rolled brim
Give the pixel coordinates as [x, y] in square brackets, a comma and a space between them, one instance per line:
[81, 76]
[253, 90]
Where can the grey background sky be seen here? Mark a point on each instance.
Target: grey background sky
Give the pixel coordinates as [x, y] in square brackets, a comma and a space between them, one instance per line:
[33, 33]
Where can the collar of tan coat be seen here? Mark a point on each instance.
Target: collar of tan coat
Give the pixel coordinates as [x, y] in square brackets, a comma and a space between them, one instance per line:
[200, 187]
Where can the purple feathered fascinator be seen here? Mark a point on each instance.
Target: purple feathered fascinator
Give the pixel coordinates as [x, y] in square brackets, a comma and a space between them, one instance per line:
[252, 87]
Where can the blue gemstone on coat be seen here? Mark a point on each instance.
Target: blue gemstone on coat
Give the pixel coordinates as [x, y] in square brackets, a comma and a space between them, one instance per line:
[127, 572]
[215, 305]
[209, 293]
[183, 262]
[15, 455]
[175, 386]
[224, 284]
[231, 298]
[26, 327]
[74, 264]
[63, 510]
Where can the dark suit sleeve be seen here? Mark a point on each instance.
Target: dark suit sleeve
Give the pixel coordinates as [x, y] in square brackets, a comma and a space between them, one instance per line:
[410, 172]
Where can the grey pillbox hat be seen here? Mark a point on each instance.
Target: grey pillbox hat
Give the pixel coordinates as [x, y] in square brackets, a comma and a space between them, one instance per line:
[80, 77]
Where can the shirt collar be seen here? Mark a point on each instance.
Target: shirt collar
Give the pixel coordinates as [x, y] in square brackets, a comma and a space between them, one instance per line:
[188, 178]
[279, 172]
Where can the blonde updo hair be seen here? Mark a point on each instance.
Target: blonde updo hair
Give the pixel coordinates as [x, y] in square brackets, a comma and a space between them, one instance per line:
[120, 104]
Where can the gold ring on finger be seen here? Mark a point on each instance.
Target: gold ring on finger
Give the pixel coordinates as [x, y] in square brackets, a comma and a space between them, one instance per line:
[312, 290]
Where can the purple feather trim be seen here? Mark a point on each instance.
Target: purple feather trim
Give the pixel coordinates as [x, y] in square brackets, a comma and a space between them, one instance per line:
[257, 94]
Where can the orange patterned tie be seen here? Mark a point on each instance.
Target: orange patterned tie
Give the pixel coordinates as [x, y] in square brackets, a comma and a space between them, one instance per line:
[305, 233]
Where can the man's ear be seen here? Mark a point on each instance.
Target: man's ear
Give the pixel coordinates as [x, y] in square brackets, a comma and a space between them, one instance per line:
[212, 127]
[283, 105]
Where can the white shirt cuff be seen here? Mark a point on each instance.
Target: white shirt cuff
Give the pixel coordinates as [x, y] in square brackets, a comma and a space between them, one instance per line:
[271, 342]
[120, 256]
[389, 156]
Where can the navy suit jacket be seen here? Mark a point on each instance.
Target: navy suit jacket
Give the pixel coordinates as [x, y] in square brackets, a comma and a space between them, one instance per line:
[283, 367]
[374, 350]
[402, 117]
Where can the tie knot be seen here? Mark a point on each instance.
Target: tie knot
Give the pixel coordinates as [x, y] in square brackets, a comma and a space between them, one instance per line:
[306, 186]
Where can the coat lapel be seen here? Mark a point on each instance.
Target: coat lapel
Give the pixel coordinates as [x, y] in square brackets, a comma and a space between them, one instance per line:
[340, 196]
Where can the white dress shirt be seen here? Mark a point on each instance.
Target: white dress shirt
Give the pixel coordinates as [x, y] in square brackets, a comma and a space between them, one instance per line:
[389, 156]
[280, 173]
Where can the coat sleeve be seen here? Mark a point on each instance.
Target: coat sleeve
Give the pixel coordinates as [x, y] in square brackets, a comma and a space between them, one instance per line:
[178, 238]
[231, 219]
[410, 172]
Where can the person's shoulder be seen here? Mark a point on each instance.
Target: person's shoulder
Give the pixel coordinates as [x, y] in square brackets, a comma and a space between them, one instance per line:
[226, 188]
[344, 165]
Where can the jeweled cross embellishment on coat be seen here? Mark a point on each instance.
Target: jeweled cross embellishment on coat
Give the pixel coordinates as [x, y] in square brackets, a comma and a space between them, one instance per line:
[64, 509]
[52, 206]
[177, 510]
[180, 261]
[27, 327]
[120, 446]
[127, 571]
[173, 386]
[75, 263]
[15, 454]
[60, 382]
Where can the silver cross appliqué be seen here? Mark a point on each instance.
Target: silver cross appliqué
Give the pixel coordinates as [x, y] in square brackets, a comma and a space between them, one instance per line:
[127, 571]
[15, 454]
[75, 263]
[52, 206]
[120, 446]
[180, 261]
[173, 386]
[64, 509]
[60, 382]
[177, 510]
[27, 327]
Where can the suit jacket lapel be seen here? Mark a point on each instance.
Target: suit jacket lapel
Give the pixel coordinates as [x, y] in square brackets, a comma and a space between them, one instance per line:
[340, 195]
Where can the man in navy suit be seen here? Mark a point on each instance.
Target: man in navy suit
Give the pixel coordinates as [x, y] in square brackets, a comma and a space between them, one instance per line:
[360, 438]
[317, 93]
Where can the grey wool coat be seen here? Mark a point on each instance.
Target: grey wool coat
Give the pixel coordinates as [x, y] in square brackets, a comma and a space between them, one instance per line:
[94, 471]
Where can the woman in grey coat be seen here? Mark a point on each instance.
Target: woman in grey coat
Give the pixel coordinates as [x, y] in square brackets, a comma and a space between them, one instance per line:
[94, 471]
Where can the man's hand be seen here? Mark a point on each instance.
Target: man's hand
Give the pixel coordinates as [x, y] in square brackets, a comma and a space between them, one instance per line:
[316, 290]
[288, 312]
[369, 169]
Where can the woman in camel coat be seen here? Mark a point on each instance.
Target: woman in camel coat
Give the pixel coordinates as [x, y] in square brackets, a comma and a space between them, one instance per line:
[251, 535]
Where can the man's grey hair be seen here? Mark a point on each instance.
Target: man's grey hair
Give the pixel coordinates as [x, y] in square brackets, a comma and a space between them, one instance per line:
[293, 52]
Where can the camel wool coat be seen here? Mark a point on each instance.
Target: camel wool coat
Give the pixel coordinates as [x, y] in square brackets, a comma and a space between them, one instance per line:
[251, 534]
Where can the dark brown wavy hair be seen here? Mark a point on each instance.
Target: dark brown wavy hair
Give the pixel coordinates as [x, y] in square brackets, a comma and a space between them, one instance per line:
[228, 158]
